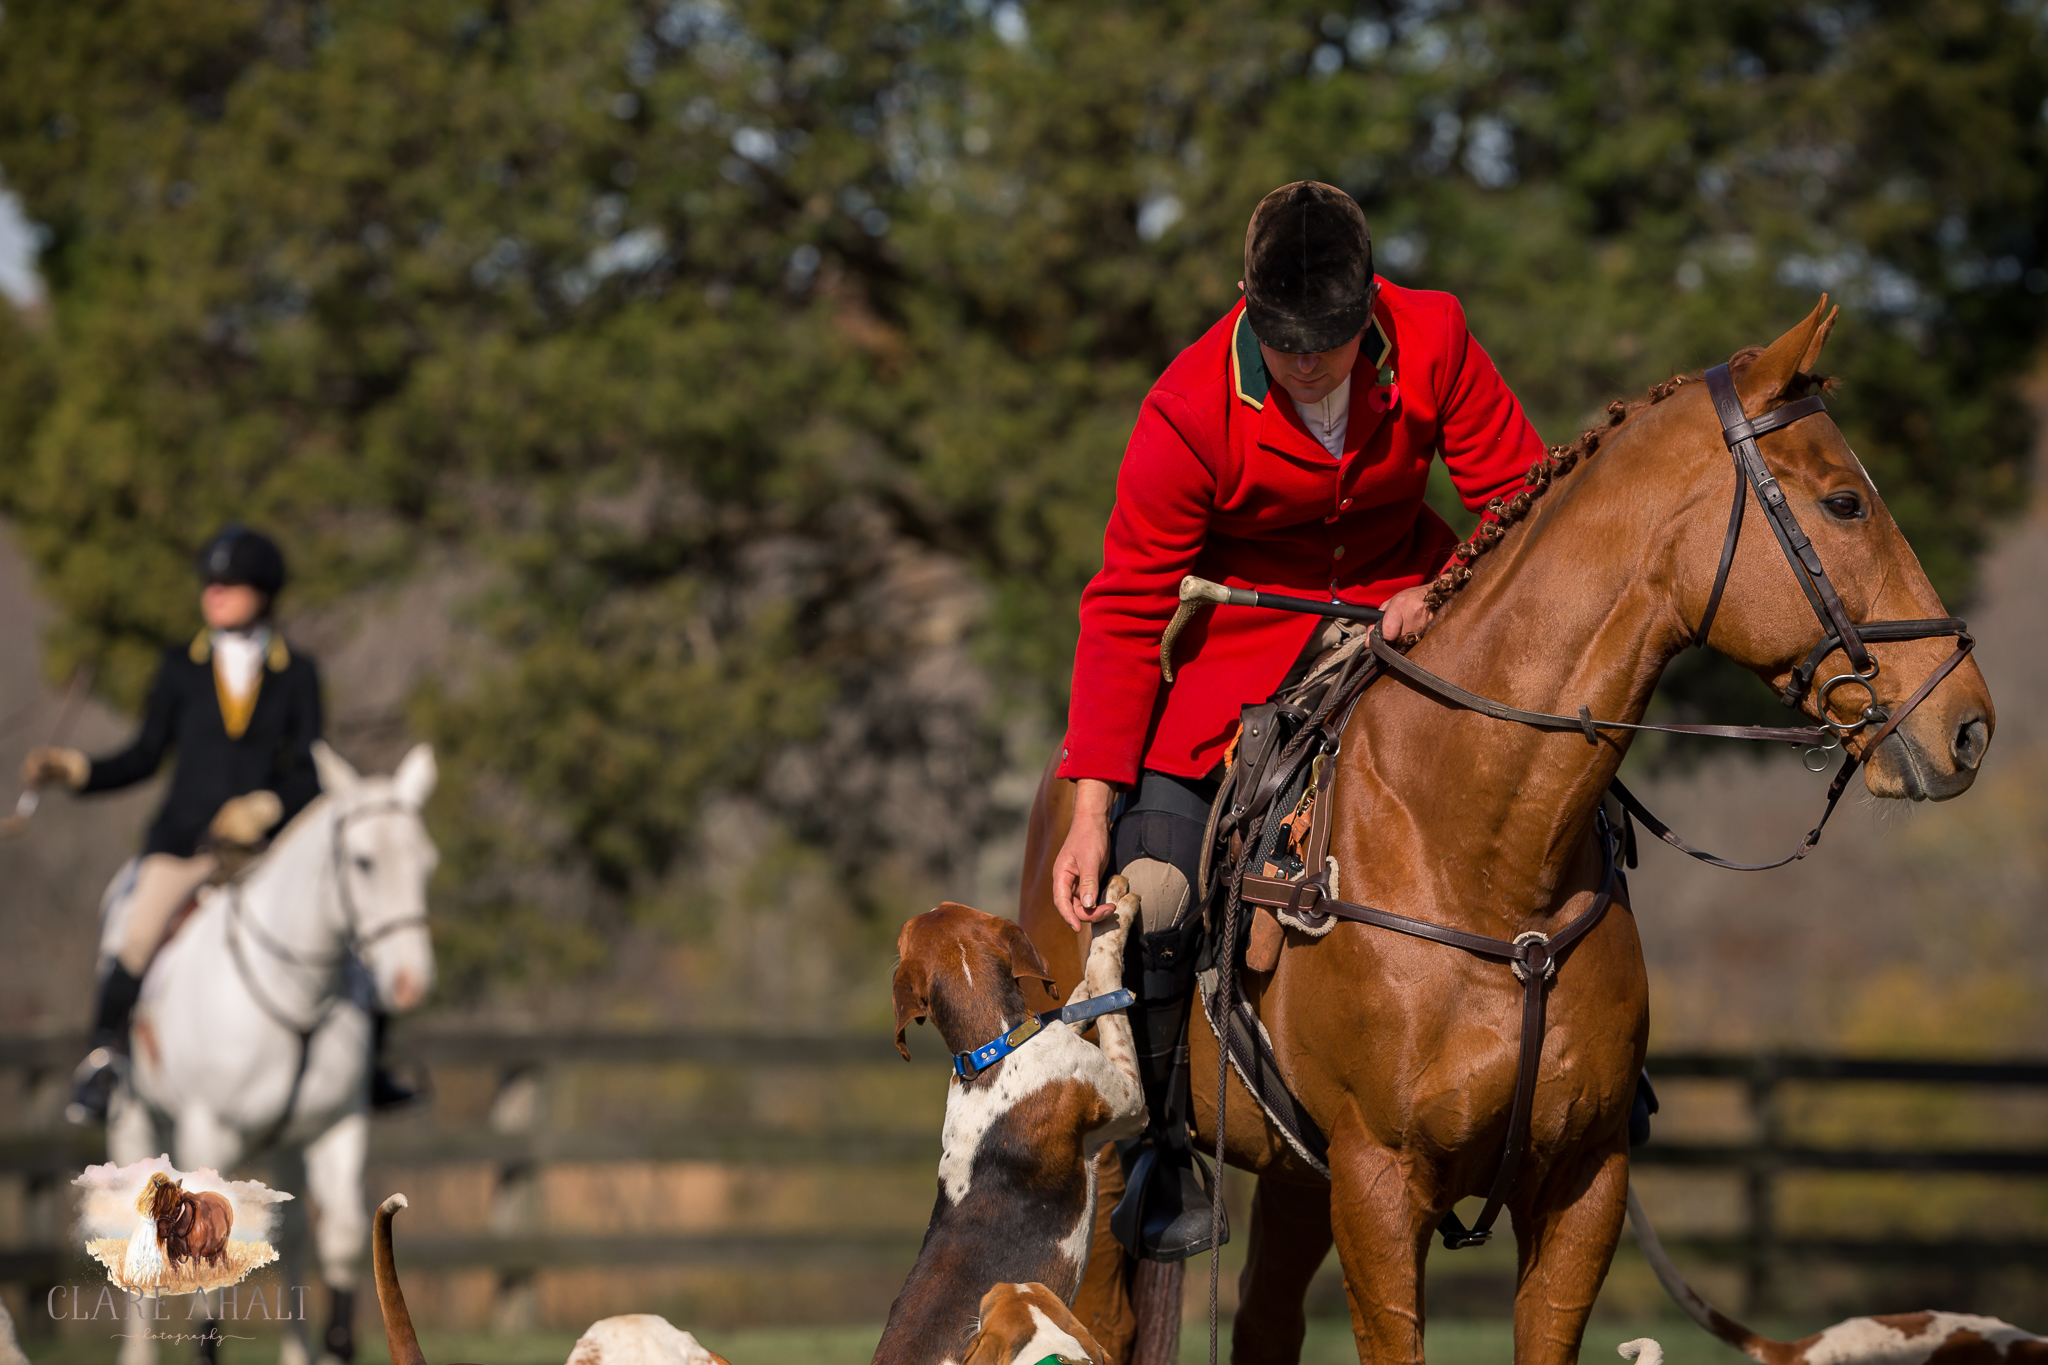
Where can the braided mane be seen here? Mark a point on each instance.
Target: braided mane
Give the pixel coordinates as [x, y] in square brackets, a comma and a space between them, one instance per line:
[1505, 512]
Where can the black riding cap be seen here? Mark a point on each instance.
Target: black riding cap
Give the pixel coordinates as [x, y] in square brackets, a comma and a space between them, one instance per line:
[239, 555]
[1307, 268]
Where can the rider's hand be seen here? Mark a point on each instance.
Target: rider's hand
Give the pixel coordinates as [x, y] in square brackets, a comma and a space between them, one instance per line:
[48, 764]
[1084, 857]
[1405, 614]
[245, 820]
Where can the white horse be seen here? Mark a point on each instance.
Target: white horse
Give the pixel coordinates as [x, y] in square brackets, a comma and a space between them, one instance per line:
[250, 1035]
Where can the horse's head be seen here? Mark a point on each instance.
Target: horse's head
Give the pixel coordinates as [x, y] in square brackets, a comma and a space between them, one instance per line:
[1765, 619]
[159, 1198]
[382, 859]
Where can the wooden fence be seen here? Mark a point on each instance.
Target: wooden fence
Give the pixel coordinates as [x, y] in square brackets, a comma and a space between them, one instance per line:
[514, 1117]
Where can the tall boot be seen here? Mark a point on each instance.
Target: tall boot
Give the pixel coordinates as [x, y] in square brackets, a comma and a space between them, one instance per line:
[386, 1090]
[1165, 1212]
[94, 1081]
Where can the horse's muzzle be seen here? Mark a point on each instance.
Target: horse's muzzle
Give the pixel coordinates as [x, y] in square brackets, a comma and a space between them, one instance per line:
[1932, 761]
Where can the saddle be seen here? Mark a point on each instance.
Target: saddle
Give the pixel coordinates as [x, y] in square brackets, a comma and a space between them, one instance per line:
[1271, 821]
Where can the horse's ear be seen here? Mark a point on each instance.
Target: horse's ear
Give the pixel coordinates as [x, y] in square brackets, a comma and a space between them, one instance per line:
[1820, 339]
[1765, 377]
[414, 780]
[337, 778]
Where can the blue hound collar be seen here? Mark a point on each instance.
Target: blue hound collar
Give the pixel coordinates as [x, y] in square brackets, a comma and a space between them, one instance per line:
[968, 1065]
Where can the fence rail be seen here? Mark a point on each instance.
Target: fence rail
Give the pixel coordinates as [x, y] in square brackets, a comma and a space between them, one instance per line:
[518, 1148]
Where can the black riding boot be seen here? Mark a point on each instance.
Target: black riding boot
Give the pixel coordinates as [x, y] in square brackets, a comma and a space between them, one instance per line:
[386, 1090]
[94, 1081]
[1164, 1214]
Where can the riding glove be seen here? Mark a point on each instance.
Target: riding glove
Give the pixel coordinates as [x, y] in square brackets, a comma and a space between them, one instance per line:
[246, 819]
[50, 764]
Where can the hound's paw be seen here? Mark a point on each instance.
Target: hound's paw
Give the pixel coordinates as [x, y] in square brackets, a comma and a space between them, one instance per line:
[1643, 1351]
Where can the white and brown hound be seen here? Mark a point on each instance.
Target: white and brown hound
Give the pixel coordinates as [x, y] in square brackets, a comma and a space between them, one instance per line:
[1024, 1120]
[1892, 1339]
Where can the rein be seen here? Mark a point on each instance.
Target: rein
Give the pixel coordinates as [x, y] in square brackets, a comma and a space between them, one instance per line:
[1535, 956]
[240, 923]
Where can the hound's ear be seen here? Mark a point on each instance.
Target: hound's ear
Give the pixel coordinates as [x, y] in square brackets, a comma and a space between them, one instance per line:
[337, 778]
[912, 1003]
[414, 781]
[1024, 958]
[1765, 377]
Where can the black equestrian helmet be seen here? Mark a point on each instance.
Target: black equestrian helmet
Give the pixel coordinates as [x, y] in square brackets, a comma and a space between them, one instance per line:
[239, 555]
[1308, 281]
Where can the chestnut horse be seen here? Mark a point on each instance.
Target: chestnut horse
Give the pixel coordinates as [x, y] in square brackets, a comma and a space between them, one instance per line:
[1404, 1050]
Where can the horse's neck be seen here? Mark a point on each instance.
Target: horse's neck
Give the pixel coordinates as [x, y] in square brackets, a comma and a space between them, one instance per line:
[290, 893]
[1572, 609]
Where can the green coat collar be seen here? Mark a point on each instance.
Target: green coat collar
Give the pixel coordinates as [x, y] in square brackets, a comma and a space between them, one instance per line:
[1248, 375]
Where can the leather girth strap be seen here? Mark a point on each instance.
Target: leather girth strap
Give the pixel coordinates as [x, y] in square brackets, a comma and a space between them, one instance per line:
[1534, 957]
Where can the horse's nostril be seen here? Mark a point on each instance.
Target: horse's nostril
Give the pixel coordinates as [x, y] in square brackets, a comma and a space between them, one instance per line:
[1968, 746]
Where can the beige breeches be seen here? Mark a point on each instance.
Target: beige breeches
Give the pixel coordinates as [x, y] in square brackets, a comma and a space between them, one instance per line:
[162, 884]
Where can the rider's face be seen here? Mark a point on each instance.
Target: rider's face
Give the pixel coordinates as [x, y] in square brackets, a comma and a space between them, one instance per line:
[230, 606]
[1311, 375]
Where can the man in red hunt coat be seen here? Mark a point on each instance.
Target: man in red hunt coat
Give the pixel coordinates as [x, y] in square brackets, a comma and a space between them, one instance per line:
[1286, 451]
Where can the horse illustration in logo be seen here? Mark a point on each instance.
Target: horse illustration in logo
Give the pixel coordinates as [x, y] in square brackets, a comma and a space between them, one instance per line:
[182, 1242]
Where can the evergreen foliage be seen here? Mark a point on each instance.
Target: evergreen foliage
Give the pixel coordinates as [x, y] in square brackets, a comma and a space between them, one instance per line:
[697, 322]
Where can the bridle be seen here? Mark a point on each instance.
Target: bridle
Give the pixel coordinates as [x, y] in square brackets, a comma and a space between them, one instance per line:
[1838, 633]
[240, 924]
[1535, 956]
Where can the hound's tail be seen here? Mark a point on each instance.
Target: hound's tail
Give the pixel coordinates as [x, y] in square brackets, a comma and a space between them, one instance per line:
[1757, 1348]
[404, 1342]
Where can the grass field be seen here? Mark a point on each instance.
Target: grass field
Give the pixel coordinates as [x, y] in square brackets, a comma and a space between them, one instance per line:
[1450, 1342]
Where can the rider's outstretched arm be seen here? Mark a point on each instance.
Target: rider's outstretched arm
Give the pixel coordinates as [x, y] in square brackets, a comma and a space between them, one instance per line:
[140, 760]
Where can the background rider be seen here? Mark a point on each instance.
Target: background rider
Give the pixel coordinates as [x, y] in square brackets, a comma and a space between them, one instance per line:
[242, 709]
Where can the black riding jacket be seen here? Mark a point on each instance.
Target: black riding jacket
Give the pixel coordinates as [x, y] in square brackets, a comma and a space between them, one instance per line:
[274, 752]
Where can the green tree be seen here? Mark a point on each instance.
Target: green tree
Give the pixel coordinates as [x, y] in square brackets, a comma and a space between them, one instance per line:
[772, 359]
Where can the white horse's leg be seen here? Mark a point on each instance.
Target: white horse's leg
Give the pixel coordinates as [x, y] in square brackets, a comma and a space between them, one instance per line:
[290, 1236]
[132, 1136]
[203, 1140]
[334, 1179]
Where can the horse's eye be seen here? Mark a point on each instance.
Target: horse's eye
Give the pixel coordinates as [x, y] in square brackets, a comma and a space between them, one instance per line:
[362, 863]
[1843, 506]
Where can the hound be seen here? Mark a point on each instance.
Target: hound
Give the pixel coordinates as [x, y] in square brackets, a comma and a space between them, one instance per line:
[1025, 1324]
[1031, 1104]
[1019, 1324]
[1891, 1339]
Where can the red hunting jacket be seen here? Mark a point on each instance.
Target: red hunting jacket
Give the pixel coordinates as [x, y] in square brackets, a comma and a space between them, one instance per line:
[1222, 479]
